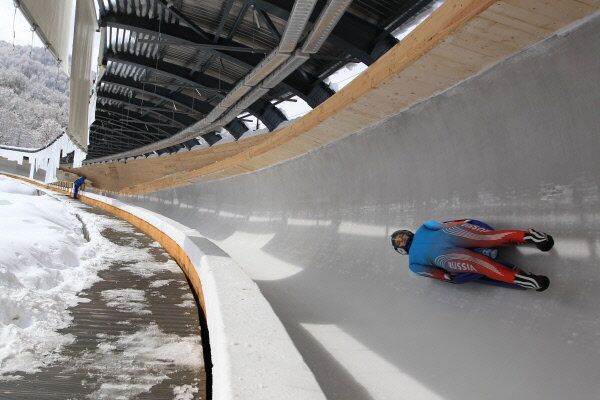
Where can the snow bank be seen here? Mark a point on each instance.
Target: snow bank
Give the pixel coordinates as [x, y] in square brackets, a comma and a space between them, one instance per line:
[253, 356]
[12, 186]
[44, 262]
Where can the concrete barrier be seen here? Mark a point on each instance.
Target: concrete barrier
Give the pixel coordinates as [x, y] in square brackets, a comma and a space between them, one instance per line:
[253, 357]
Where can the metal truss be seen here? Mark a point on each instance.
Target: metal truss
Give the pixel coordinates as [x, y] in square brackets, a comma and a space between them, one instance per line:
[167, 67]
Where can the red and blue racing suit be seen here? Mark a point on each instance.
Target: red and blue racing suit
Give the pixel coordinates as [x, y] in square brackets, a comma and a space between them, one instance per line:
[438, 248]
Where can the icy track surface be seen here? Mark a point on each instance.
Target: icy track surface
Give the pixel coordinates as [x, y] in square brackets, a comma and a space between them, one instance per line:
[516, 146]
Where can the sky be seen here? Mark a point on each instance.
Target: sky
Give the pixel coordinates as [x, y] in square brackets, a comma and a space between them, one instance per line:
[21, 26]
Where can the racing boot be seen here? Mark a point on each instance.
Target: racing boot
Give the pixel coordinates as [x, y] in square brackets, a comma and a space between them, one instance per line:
[542, 240]
[530, 281]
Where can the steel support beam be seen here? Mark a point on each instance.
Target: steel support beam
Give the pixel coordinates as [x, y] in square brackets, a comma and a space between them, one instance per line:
[180, 73]
[122, 119]
[181, 118]
[269, 24]
[102, 142]
[123, 128]
[169, 70]
[406, 11]
[180, 33]
[102, 121]
[134, 115]
[203, 46]
[238, 20]
[117, 134]
[169, 6]
[211, 138]
[226, 10]
[237, 128]
[106, 148]
[299, 82]
[101, 8]
[183, 101]
[124, 104]
[270, 115]
[352, 34]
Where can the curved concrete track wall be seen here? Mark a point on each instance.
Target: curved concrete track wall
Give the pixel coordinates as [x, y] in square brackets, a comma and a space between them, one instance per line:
[516, 146]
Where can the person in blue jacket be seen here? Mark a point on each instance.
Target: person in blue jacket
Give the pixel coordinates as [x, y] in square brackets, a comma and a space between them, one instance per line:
[463, 250]
[79, 182]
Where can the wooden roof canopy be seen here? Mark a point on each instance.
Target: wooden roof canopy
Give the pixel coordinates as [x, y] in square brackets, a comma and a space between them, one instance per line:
[169, 63]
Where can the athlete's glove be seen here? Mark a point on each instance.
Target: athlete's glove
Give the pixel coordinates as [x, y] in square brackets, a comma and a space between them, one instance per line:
[449, 277]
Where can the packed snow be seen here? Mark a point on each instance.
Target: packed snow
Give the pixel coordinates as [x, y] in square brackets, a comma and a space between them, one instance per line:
[149, 269]
[144, 357]
[127, 300]
[185, 392]
[160, 283]
[188, 301]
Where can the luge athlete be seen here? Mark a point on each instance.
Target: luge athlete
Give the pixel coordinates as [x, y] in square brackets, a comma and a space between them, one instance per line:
[459, 251]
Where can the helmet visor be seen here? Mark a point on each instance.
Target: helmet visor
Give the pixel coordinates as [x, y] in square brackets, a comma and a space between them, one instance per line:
[400, 241]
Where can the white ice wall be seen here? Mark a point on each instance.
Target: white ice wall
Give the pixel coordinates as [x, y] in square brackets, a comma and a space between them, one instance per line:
[516, 146]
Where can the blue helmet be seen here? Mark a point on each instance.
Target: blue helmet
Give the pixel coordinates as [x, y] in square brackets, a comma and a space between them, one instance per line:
[402, 249]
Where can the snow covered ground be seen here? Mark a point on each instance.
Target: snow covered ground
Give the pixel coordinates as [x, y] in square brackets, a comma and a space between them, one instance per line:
[141, 357]
[46, 262]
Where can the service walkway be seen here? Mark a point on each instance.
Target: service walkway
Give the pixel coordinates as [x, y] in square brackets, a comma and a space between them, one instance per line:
[137, 337]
